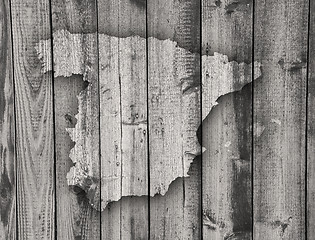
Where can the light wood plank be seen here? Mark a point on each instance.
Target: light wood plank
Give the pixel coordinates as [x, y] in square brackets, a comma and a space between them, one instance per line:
[76, 218]
[34, 121]
[124, 119]
[133, 80]
[226, 129]
[174, 117]
[281, 29]
[7, 129]
[110, 119]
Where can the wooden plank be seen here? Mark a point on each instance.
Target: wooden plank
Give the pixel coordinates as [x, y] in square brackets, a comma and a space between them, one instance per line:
[174, 117]
[34, 121]
[124, 119]
[76, 218]
[7, 129]
[226, 129]
[310, 128]
[133, 82]
[281, 30]
[110, 119]
[226, 170]
[227, 27]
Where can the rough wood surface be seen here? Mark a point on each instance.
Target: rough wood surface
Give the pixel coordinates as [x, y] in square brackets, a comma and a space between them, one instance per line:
[134, 15]
[74, 55]
[226, 130]
[7, 129]
[134, 182]
[124, 62]
[76, 219]
[34, 121]
[68, 61]
[311, 128]
[124, 120]
[226, 163]
[124, 111]
[227, 27]
[110, 116]
[279, 107]
[156, 138]
[174, 117]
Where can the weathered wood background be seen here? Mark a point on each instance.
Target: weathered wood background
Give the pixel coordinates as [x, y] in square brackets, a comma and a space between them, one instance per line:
[157, 119]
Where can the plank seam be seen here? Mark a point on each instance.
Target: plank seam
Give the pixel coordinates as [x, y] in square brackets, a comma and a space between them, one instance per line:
[99, 116]
[201, 125]
[54, 116]
[253, 116]
[306, 116]
[15, 128]
[121, 127]
[148, 124]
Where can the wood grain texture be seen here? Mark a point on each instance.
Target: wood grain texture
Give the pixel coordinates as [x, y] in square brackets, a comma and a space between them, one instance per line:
[135, 108]
[74, 55]
[174, 117]
[311, 128]
[226, 163]
[226, 129]
[134, 182]
[124, 18]
[124, 119]
[134, 11]
[279, 107]
[76, 219]
[7, 129]
[227, 27]
[34, 121]
[110, 118]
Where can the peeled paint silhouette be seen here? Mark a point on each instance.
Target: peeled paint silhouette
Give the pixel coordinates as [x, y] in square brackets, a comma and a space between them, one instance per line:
[218, 78]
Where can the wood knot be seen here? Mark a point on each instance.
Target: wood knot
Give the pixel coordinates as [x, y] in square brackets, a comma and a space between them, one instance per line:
[292, 66]
[240, 5]
[140, 3]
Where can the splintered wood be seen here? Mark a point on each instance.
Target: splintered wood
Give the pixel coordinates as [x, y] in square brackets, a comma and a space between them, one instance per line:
[122, 123]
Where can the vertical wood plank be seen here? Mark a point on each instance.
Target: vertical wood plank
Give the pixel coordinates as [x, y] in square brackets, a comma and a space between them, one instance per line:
[227, 28]
[174, 117]
[133, 80]
[76, 218]
[281, 30]
[124, 119]
[7, 126]
[34, 121]
[110, 120]
[226, 129]
[311, 128]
